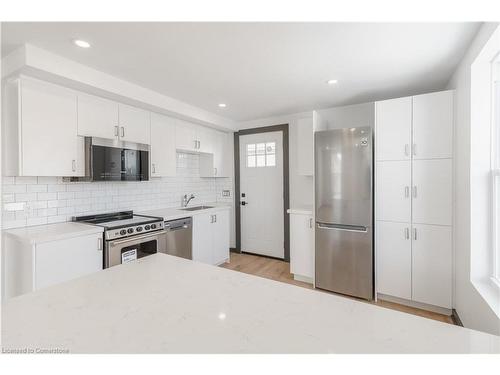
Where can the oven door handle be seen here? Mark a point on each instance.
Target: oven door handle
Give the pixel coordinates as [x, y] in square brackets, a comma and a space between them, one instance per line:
[137, 238]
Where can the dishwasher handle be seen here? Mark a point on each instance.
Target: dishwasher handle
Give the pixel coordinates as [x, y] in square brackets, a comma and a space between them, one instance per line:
[178, 224]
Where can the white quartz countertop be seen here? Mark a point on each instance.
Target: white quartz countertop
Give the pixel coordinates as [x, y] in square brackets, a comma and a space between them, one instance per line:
[301, 210]
[177, 213]
[52, 232]
[165, 304]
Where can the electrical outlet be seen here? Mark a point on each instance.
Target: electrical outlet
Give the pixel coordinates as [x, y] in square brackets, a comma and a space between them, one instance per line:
[226, 193]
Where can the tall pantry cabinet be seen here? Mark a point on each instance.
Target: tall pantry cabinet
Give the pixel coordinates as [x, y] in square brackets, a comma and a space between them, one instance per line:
[413, 213]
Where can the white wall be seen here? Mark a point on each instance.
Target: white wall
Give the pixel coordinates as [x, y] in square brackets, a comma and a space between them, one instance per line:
[471, 307]
[348, 116]
[51, 200]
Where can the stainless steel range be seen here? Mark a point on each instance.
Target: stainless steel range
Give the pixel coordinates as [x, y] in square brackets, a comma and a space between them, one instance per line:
[128, 236]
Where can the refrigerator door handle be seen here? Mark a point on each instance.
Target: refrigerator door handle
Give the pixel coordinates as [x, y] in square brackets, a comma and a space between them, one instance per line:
[346, 228]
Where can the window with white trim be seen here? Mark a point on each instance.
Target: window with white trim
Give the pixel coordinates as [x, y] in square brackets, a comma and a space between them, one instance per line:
[495, 169]
[261, 155]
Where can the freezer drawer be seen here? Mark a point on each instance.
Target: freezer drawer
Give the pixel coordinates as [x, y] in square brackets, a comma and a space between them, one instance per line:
[344, 259]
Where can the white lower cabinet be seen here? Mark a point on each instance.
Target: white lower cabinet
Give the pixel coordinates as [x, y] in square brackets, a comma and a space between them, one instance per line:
[31, 266]
[414, 262]
[432, 264]
[301, 246]
[211, 237]
[393, 256]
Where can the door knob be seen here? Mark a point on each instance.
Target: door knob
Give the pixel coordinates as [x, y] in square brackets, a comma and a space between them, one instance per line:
[243, 203]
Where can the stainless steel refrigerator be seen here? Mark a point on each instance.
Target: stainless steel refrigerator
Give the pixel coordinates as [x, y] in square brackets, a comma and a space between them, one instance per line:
[344, 211]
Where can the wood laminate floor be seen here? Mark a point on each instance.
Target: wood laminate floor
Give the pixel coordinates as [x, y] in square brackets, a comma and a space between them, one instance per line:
[279, 270]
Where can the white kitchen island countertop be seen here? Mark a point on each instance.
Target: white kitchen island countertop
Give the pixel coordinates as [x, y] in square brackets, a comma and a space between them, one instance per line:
[165, 304]
[52, 232]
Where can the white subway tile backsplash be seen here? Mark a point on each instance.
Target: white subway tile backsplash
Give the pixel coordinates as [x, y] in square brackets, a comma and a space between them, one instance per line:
[52, 200]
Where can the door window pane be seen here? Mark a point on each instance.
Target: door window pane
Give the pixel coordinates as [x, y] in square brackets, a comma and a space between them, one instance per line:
[261, 154]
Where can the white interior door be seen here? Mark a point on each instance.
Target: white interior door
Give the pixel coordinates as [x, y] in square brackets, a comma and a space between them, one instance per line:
[261, 194]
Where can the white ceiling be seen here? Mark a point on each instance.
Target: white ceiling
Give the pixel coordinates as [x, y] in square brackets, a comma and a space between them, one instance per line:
[261, 69]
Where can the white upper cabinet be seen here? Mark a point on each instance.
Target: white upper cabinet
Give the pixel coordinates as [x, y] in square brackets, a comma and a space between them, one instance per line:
[206, 139]
[393, 189]
[40, 136]
[432, 264]
[393, 257]
[134, 124]
[97, 117]
[432, 191]
[103, 118]
[305, 147]
[218, 163]
[433, 125]
[163, 153]
[393, 129]
[185, 136]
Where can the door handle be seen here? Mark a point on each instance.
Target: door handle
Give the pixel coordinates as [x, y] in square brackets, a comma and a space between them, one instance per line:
[244, 203]
[123, 132]
[346, 228]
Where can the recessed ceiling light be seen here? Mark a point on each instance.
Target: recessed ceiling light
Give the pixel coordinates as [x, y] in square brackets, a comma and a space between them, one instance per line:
[332, 81]
[222, 105]
[81, 43]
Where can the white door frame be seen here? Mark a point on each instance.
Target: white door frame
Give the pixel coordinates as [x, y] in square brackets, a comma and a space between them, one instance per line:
[286, 187]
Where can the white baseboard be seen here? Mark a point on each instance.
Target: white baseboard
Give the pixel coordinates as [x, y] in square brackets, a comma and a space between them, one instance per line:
[304, 279]
[417, 305]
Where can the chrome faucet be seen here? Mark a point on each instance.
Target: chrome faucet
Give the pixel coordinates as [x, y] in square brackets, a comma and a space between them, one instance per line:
[186, 200]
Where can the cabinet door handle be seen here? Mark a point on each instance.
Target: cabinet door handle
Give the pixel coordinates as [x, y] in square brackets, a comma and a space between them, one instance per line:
[199, 145]
[116, 131]
[407, 233]
[123, 131]
[415, 234]
[99, 244]
[73, 165]
[406, 149]
[215, 218]
[407, 191]
[414, 191]
[414, 149]
[154, 168]
[211, 219]
[215, 171]
[310, 222]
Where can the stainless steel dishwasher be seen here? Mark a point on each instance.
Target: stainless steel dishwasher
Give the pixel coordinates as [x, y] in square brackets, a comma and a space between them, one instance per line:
[179, 237]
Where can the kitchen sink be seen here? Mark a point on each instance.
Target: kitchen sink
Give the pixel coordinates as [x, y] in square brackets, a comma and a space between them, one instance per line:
[196, 208]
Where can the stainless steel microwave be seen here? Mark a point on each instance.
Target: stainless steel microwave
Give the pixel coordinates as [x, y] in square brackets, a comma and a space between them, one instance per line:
[108, 160]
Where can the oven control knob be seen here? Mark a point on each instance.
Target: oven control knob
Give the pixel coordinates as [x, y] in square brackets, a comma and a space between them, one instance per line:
[138, 229]
[130, 230]
[153, 226]
[123, 232]
[147, 227]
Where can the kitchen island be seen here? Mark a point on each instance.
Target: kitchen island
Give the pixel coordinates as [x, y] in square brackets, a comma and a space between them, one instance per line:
[165, 304]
